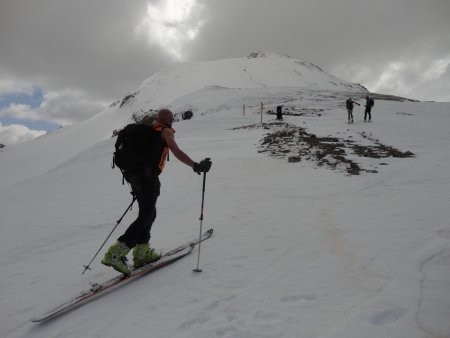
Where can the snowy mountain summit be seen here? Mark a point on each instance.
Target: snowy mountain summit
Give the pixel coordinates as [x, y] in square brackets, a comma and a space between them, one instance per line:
[257, 70]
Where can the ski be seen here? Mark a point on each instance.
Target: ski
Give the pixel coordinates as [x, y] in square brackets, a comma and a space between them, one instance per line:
[97, 290]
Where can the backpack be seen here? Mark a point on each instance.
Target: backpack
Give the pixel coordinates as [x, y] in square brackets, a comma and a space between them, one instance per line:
[135, 147]
[371, 103]
[349, 104]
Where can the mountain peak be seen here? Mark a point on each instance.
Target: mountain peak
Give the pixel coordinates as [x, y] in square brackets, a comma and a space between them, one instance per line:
[260, 69]
[264, 54]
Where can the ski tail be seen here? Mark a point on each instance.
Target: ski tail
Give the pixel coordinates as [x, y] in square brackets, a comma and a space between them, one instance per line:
[97, 289]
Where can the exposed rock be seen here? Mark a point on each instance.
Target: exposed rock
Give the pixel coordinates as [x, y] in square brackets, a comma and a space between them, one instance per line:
[294, 143]
[127, 99]
[187, 115]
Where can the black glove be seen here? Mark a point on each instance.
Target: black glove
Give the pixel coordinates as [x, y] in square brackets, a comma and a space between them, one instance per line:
[203, 166]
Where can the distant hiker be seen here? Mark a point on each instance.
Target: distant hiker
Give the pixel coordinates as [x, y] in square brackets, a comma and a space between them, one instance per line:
[349, 103]
[141, 152]
[369, 105]
[280, 113]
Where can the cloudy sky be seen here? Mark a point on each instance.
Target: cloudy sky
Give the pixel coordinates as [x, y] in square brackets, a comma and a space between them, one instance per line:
[62, 61]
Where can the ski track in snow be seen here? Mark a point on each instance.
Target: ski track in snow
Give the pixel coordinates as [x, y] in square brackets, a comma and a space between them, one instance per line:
[432, 315]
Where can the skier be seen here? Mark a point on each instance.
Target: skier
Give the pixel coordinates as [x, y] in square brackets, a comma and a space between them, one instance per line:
[280, 113]
[349, 103]
[145, 187]
[369, 105]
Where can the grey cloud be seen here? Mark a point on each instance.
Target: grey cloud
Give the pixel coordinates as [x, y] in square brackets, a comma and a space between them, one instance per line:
[323, 31]
[84, 45]
[354, 39]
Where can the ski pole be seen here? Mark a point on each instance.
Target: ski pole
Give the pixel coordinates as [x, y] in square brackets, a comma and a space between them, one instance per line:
[87, 267]
[201, 224]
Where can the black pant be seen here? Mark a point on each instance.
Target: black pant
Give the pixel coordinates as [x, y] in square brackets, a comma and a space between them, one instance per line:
[367, 112]
[350, 114]
[146, 187]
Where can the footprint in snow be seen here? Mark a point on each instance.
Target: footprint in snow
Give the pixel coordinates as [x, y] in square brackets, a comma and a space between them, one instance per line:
[444, 233]
[229, 331]
[201, 319]
[387, 316]
[292, 299]
[266, 316]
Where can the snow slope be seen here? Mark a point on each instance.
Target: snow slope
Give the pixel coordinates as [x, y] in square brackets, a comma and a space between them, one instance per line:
[262, 69]
[298, 250]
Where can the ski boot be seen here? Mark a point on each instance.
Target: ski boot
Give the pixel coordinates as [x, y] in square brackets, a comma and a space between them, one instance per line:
[143, 254]
[116, 258]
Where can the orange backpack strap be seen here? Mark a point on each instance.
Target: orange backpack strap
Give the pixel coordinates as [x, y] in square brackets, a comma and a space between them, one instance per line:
[158, 126]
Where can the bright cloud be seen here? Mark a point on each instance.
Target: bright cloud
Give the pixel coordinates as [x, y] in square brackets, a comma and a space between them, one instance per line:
[397, 73]
[19, 111]
[16, 133]
[11, 84]
[69, 106]
[171, 24]
[410, 75]
[63, 107]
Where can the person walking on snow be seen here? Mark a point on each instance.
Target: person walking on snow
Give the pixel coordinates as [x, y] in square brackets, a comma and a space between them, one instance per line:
[145, 187]
[280, 113]
[369, 105]
[349, 103]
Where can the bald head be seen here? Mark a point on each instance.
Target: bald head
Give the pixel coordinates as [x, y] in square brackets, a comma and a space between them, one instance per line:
[165, 116]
